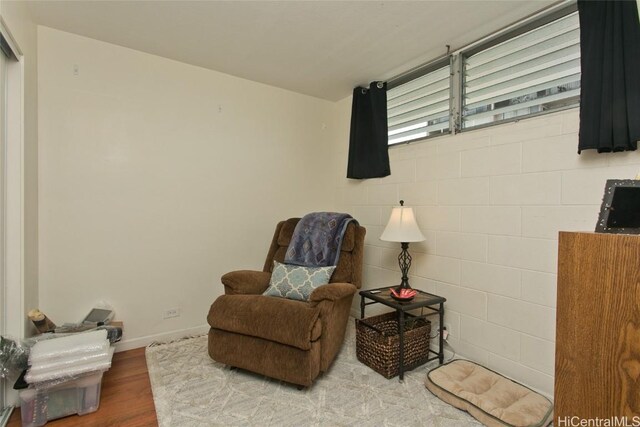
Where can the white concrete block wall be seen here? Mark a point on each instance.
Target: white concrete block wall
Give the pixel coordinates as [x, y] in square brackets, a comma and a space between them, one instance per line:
[490, 203]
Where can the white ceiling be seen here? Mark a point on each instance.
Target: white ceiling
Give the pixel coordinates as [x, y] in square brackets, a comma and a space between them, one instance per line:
[319, 48]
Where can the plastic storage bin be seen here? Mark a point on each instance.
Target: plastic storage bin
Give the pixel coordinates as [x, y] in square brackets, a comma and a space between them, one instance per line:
[44, 403]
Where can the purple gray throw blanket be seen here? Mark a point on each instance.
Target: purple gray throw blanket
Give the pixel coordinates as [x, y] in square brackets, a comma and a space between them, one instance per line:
[317, 239]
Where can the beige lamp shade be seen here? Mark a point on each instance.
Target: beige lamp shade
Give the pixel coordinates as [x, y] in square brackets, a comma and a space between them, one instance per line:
[402, 226]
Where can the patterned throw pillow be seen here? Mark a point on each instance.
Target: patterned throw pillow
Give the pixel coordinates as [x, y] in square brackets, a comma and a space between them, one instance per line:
[296, 282]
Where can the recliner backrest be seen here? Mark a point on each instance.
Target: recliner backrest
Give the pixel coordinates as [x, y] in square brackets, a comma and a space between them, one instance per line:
[349, 268]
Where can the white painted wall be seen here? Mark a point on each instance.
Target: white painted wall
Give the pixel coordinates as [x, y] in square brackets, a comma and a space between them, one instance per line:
[490, 203]
[157, 177]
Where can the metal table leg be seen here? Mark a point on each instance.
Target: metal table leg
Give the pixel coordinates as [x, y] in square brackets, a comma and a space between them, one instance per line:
[401, 336]
[441, 335]
[361, 306]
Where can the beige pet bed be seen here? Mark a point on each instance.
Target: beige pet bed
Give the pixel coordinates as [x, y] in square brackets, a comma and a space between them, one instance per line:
[488, 396]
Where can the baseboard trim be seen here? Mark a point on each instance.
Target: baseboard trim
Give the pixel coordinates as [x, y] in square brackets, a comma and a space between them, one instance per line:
[165, 336]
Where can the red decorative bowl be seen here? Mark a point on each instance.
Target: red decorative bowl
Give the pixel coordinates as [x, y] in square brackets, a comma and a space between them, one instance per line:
[401, 299]
[398, 294]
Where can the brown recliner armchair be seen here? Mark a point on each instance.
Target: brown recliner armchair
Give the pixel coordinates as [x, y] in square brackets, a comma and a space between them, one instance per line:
[281, 338]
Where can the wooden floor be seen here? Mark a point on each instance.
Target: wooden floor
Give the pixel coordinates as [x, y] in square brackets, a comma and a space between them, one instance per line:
[126, 398]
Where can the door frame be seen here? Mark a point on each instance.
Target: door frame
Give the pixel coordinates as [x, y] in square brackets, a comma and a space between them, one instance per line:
[12, 237]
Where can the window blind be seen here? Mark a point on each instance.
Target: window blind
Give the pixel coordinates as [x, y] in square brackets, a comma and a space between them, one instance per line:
[419, 108]
[533, 72]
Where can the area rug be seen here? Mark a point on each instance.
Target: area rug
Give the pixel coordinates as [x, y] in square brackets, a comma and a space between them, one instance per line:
[190, 389]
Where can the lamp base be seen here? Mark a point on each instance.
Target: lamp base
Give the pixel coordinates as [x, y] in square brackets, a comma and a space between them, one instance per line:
[404, 261]
[403, 285]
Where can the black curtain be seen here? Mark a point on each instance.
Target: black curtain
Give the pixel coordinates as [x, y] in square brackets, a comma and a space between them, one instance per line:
[368, 142]
[610, 83]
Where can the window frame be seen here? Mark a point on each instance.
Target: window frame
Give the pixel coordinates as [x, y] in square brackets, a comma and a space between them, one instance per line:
[456, 60]
[493, 40]
[420, 71]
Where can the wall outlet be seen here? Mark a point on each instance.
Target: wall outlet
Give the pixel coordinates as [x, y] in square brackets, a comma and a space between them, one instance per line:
[445, 334]
[171, 312]
[447, 326]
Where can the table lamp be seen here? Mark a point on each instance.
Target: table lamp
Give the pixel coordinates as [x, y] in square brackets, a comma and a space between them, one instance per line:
[402, 227]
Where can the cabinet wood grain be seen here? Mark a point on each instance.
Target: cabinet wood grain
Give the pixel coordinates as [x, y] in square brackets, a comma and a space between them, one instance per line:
[597, 371]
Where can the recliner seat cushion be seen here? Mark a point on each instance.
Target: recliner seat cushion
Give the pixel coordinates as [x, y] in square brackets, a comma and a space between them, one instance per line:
[285, 321]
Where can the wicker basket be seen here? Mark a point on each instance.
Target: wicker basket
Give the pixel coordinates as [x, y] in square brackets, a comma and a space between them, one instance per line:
[378, 343]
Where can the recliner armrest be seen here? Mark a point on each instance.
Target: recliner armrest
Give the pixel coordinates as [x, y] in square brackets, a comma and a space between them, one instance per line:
[332, 292]
[247, 282]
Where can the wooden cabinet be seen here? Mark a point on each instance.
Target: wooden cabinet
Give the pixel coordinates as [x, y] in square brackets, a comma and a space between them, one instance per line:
[597, 371]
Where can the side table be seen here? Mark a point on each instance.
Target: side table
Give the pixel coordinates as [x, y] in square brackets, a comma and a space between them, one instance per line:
[433, 303]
